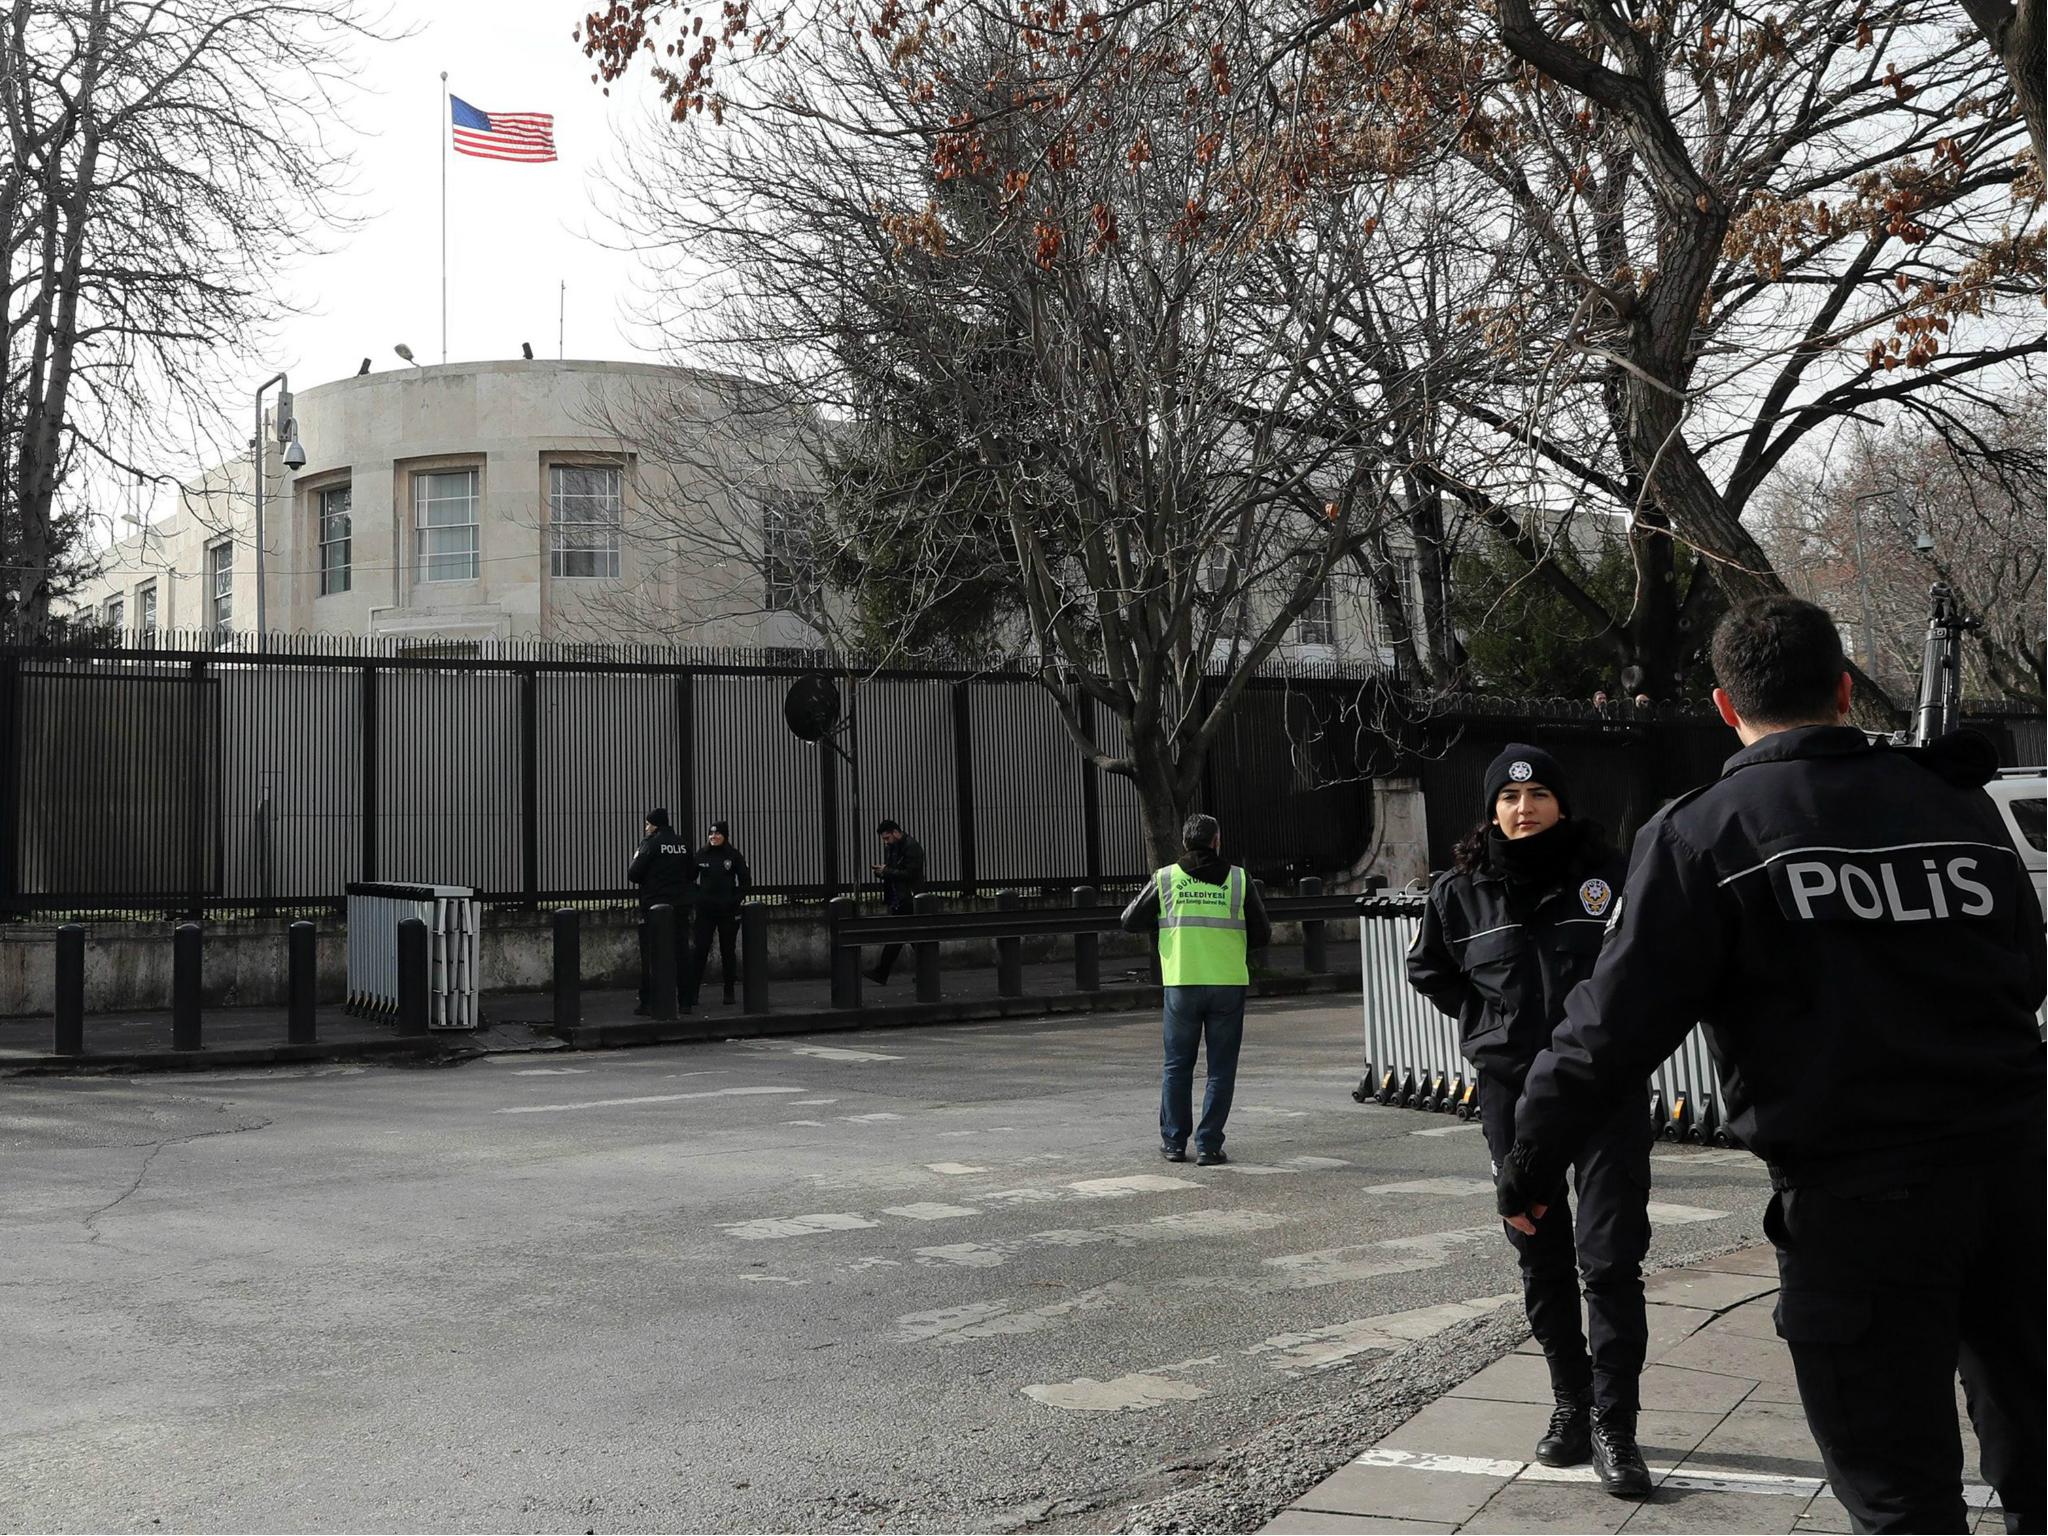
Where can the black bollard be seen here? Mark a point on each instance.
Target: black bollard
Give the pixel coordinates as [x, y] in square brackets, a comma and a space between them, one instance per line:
[754, 958]
[186, 961]
[70, 1032]
[301, 985]
[1315, 945]
[568, 968]
[662, 961]
[1087, 946]
[841, 910]
[413, 1004]
[926, 951]
[1009, 951]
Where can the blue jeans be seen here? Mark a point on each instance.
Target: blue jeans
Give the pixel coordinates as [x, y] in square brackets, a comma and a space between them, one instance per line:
[1191, 1014]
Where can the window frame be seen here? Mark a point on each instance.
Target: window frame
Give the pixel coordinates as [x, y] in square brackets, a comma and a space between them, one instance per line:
[1319, 615]
[219, 591]
[323, 523]
[146, 608]
[424, 560]
[604, 546]
[787, 579]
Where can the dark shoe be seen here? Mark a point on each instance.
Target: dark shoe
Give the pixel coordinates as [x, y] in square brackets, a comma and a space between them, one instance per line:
[1211, 1159]
[1569, 1439]
[1616, 1458]
[1174, 1154]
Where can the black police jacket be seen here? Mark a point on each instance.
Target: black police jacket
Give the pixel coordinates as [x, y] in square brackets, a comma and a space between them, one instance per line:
[663, 869]
[902, 872]
[1863, 945]
[1500, 959]
[722, 875]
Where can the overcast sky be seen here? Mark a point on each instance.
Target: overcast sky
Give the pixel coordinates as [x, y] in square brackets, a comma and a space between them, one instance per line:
[515, 232]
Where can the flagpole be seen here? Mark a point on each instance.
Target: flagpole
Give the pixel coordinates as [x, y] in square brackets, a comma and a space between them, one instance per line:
[445, 136]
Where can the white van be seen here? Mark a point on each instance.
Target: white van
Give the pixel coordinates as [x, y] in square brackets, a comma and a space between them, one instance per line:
[2022, 798]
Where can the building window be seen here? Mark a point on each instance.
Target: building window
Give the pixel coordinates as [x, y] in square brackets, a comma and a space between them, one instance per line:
[145, 610]
[1317, 624]
[220, 587]
[584, 511]
[334, 540]
[786, 565]
[444, 508]
[117, 613]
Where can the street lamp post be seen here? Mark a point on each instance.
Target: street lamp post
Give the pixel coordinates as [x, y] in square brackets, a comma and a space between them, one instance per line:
[287, 434]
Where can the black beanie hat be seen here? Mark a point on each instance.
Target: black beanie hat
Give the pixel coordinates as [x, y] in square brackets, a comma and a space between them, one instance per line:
[1521, 763]
[720, 829]
[659, 816]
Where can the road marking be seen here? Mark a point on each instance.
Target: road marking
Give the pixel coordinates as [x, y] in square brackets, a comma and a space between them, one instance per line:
[1183, 1227]
[1445, 1186]
[1129, 1184]
[1368, 1261]
[1716, 1157]
[1319, 1347]
[1665, 1214]
[814, 1101]
[648, 1098]
[873, 1263]
[777, 1279]
[1272, 1110]
[930, 1210]
[1449, 1130]
[818, 1123]
[551, 1072]
[956, 1168]
[796, 1226]
[822, 1052]
[994, 1319]
[1133, 1393]
[1292, 1165]
[878, 1115]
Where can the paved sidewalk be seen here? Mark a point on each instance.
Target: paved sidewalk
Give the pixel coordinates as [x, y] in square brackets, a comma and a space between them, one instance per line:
[1721, 1429]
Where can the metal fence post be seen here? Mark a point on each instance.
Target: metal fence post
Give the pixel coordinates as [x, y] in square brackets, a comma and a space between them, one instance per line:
[1087, 946]
[1009, 951]
[70, 1031]
[568, 969]
[302, 970]
[926, 951]
[187, 958]
[754, 958]
[662, 961]
[1315, 947]
[412, 976]
[963, 781]
[845, 957]
[529, 786]
[368, 853]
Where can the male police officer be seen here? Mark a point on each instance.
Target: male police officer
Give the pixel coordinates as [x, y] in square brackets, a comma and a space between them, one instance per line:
[1860, 939]
[1208, 914]
[723, 880]
[664, 870]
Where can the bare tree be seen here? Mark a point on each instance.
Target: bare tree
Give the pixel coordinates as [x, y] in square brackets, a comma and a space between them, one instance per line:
[161, 160]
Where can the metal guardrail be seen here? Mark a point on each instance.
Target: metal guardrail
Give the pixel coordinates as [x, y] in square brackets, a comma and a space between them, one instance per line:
[451, 914]
[1412, 1059]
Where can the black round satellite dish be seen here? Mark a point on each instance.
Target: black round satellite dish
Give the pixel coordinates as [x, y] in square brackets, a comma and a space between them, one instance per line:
[811, 707]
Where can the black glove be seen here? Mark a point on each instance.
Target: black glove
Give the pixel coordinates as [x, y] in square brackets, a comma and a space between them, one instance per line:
[1526, 1180]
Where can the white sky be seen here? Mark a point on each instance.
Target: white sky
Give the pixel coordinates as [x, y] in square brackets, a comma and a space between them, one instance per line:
[515, 232]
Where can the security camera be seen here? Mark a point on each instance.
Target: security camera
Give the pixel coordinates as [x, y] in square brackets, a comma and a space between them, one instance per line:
[294, 454]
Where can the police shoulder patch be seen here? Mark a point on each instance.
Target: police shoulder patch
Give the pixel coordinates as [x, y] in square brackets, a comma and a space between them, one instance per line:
[1594, 896]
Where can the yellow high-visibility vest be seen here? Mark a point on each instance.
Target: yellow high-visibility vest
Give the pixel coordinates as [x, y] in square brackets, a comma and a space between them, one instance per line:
[1201, 929]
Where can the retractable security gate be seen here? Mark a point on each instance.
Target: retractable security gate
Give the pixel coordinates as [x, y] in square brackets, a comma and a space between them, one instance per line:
[1411, 1049]
[451, 913]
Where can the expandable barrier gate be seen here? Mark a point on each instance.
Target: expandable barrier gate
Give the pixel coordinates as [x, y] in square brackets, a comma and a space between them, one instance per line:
[1411, 1049]
[453, 918]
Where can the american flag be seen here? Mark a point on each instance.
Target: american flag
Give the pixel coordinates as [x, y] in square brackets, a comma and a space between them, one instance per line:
[526, 136]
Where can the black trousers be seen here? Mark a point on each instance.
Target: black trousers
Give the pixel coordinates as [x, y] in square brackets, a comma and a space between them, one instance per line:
[725, 922]
[680, 937]
[886, 961]
[1886, 1290]
[1601, 1252]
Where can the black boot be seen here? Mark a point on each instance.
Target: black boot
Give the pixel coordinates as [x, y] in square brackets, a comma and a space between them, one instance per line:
[1568, 1440]
[1615, 1456]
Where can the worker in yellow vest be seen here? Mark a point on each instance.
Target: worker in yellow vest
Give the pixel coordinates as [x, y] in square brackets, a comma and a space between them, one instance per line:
[1208, 915]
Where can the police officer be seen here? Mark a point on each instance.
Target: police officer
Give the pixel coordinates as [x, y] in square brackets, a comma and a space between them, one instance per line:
[665, 872]
[722, 883]
[1208, 914]
[1856, 932]
[1508, 931]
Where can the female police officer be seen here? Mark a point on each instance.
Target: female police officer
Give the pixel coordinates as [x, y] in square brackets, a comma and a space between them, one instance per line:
[1507, 933]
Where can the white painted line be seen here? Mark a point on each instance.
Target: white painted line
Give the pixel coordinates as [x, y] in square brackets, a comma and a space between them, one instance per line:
[1717, 1157]
[822, 1052]
[1449, 1130]
[796, 1226]
[1130, 1184]
[878, 1115]
[818, 1123]
[1423, 1461]
[1319, 1347]
[1309, 1164]
[814, 1101]
[956, 1168]
[1184, 1227]
[1664, 1214]
[1368, 1261]
[1453, 1186]
[1123, 1394]
[1272, 1111]
[777, 1279]
[649, 1098]
[872, 1263]
[550, 1071]
[930, 1210]
[994, 1319]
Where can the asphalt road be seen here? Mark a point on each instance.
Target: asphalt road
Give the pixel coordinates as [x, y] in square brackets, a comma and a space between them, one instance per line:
[922, 1279]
